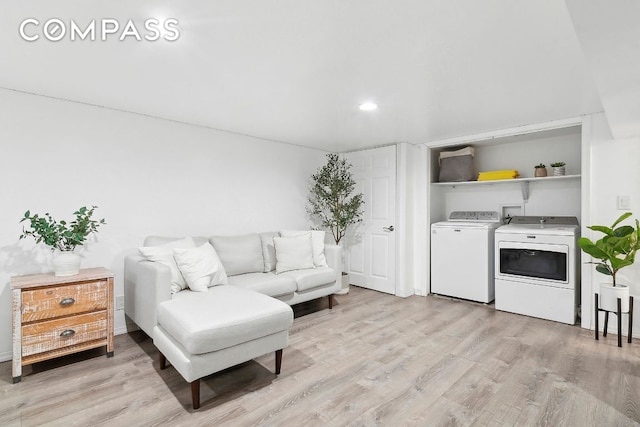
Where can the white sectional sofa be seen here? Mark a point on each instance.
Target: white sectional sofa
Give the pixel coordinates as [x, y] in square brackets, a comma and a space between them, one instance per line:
[210, 304]
[249, 261]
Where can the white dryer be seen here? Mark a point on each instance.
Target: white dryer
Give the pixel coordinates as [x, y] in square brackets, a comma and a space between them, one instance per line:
[462, 255]
[537, 267]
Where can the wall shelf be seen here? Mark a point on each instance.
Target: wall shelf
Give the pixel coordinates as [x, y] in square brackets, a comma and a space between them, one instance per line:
[524, 183]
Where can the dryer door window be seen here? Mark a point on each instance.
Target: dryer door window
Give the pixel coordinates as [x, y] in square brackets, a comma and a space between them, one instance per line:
[546, 262]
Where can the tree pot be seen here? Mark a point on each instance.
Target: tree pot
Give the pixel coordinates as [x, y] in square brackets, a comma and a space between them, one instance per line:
[66, 263]
[609, 294]
[345, 284]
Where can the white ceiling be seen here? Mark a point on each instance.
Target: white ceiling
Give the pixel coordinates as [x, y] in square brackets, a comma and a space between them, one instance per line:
[296, 70]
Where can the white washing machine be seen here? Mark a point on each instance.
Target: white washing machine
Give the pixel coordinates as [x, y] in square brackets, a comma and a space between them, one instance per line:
[462, 251]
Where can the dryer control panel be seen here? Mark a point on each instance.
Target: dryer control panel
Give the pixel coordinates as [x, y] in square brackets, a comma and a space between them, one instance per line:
[475, 216]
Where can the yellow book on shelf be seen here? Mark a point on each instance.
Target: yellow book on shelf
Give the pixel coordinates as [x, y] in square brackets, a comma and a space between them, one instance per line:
[500, 174]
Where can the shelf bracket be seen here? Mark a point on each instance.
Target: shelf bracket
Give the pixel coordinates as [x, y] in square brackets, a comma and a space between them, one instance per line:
[524, 186]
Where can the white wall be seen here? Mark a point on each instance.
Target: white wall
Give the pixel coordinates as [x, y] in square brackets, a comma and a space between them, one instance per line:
[148, 176]
[608, 35]
[614, 172]
[411, 219]
[419, 250]
[523, 153]
[546, 198]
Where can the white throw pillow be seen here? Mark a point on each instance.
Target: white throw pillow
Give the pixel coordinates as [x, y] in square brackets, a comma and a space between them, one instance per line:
[164, 255]
[268, 250]
[200, 267]
[239, 254]
[293, 253]
[317, 240]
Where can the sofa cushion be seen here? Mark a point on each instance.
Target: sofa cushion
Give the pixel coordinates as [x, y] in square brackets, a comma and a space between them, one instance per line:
[200, 267]
[293, 253]
[239, 254]
[162, 253]
[265, 283]
[268, 250]
[312, 278]
[223, 317]
[317, 241]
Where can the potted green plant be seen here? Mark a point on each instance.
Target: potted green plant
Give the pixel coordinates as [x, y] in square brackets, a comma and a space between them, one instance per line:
[62, 236]
[614, 251]
[540, 170]
[332, 201]
[558, 168]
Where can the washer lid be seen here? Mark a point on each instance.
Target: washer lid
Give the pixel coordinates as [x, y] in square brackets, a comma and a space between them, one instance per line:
[465, 224]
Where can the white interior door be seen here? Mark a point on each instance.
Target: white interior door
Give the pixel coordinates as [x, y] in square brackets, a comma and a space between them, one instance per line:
[371, 245]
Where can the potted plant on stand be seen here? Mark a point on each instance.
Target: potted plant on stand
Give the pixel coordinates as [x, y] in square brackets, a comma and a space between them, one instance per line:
[616, 250]
[333, 203]
[62, 236]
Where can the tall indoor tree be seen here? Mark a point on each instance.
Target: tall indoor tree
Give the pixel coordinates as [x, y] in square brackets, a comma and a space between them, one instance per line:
[331, 198]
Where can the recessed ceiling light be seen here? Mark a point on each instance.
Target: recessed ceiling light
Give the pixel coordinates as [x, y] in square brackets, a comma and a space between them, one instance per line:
[368, 106]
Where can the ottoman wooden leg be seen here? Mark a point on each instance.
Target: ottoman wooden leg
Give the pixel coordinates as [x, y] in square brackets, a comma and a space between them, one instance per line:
[195, 394]
[330, 301]
[278, 361]
[163, 361]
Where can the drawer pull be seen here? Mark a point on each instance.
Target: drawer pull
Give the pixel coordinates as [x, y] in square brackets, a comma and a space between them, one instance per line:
[67, 301]
[67, 333]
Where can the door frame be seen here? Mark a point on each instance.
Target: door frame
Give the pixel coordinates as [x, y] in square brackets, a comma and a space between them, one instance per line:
[412, 225]
[399, 237]
[405, 251]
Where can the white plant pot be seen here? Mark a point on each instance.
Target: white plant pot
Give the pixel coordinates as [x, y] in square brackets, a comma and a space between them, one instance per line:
[609, 294]
[66, 263]
[559, 171]
[345, 284]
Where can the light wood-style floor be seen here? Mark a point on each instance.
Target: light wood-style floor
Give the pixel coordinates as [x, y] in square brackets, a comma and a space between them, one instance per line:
[374, 359]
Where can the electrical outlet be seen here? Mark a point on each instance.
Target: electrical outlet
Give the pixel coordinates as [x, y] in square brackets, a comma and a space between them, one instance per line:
[623, 203]
[120, 302]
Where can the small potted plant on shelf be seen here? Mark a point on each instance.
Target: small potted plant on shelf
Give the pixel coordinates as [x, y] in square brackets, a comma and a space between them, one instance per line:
[616, 250]
[540, 170]
[558, 168]
[62, 236]
[333, 203]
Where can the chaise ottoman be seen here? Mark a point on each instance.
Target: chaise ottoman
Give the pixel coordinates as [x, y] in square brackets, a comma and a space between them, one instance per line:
[201, 333]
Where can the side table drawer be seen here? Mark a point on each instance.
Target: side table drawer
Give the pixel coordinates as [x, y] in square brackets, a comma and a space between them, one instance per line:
[47, 303]
[53, 334]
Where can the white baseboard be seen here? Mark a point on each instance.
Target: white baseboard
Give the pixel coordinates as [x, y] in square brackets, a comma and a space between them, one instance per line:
[120, 331]
[405, 294]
